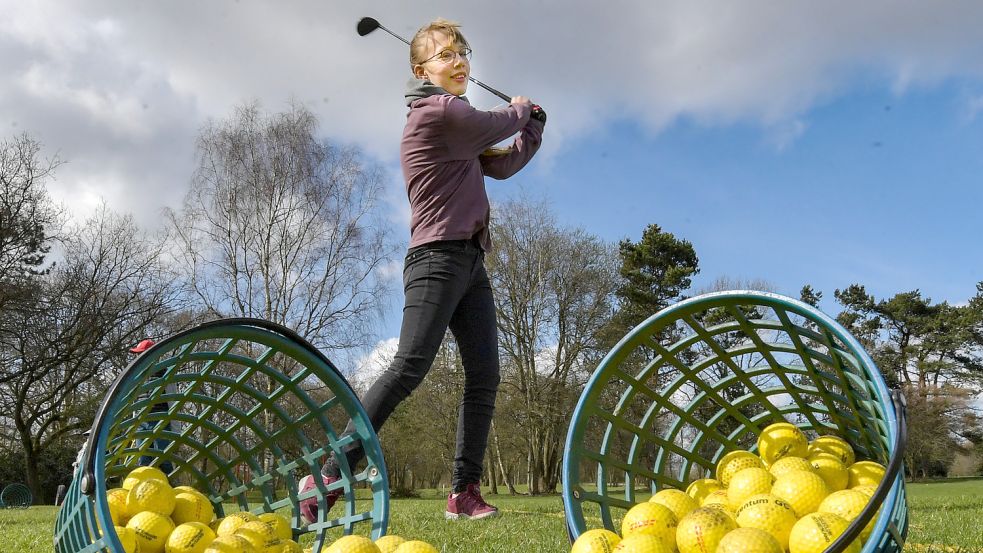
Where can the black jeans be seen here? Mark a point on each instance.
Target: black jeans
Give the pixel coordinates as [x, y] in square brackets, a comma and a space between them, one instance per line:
[446, 285]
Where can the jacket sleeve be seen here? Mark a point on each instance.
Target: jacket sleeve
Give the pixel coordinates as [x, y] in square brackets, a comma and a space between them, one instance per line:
[525, 146]
[469, 131]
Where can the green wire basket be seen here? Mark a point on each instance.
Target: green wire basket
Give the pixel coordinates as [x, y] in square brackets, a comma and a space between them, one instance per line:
[16, 496]
[251, 408]
[706, 376]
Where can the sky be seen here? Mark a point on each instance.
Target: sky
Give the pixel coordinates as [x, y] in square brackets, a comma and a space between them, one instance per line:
[827, 143]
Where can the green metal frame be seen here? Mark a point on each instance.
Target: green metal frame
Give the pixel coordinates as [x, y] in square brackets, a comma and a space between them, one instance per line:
[249, 404]
[706, 376]
[16, 496]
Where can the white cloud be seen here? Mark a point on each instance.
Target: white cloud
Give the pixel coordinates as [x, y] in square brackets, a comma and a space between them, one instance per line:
[780, 400]
[370, 366]
[392, 271]
[784, 134]
[545, 360]
[974, 106]
[121, 88]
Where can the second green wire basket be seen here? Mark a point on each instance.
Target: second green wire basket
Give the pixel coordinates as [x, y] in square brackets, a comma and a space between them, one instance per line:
[706, 376]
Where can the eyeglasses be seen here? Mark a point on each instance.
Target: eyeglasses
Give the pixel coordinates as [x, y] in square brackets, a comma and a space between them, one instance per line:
[448, 56]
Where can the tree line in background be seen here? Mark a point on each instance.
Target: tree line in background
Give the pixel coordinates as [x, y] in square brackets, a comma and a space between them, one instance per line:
[282, 225]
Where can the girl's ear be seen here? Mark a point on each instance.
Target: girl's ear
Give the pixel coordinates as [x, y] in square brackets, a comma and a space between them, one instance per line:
[419, 72]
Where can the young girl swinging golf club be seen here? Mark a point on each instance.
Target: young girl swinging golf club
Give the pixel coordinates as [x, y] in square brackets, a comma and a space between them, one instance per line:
[445, 153]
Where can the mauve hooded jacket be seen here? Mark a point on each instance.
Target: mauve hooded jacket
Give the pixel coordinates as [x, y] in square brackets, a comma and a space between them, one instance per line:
[443, 165]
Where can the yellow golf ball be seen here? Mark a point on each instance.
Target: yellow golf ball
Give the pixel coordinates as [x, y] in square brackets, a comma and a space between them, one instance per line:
[285, 546]
[747, 483]
[749, 540]
[652, 519]
[834, 445]
[678, 502]
[869, 490]
[788, 464]
[231, 523]
[258, 534]
[388, 544]
[280, 525]
[769, 514]
[725, 509]
[803, 490]
[597, 540]
[355, 544]
[701, 530]
[150, 495]
[190, 537]
[231, 544]
[151, 530]
[865, 473]
[192, 507]
[848, 504]
[140, 474]
[814, 532]
[719, 497]
[642, 543]
[416, 546]
[782, 439]
[832, 471]
[127, 538]
[698, 489]
[735, 461]
[116, 501]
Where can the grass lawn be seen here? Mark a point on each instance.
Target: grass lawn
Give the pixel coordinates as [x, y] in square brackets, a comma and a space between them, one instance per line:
[945, 518]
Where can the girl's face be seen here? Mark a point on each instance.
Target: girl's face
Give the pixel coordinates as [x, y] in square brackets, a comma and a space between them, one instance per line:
[450, 75]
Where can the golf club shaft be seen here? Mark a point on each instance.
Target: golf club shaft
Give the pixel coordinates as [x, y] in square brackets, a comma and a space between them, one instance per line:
[470, 78]
[381, 26]
[490, 89]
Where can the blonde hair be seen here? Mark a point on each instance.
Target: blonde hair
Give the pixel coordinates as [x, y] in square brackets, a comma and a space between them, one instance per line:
[418, 44]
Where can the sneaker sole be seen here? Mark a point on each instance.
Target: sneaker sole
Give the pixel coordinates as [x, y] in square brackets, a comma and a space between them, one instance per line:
[456, 516]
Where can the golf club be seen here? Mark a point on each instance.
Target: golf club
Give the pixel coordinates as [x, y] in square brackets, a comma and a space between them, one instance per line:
[368, 24]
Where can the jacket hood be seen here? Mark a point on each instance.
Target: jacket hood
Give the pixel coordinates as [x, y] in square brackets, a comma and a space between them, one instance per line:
[417, 89]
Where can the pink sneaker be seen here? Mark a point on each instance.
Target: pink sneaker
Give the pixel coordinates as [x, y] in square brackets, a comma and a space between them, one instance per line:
[468, 504]
[308, 507]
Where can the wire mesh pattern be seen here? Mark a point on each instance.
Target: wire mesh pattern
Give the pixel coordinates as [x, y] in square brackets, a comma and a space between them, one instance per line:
[16, 496]
[240, 409]
[705, 377]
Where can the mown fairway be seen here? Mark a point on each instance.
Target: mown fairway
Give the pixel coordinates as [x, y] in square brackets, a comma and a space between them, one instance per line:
[945, 518]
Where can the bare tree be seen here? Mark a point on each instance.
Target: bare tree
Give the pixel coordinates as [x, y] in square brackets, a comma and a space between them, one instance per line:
[28, 222]
[68, 342]
[554, 290]
[279, 224]
[28, 218]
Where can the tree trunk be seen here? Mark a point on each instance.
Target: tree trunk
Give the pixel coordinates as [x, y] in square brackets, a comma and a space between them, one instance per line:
[501, 466]
[551, 463]
[492, 480]
[31, 470]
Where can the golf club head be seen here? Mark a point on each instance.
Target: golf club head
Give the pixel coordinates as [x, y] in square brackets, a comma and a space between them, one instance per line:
[366, 25]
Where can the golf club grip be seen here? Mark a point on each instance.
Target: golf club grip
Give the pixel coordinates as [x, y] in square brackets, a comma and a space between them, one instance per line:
[497, 93]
